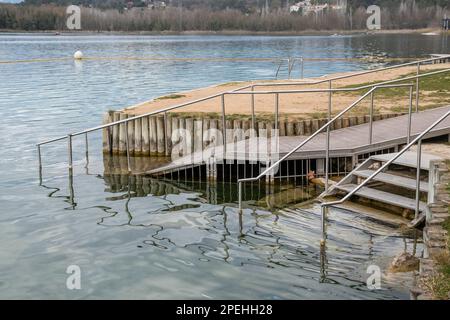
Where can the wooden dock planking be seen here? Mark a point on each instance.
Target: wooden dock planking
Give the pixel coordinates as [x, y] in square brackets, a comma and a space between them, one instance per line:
[382, 196]
[349, 141]
[345, 142]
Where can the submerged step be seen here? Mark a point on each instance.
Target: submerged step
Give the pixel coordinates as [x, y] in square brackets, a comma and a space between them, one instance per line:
[392, 179]
[408, 159]
[384, 197]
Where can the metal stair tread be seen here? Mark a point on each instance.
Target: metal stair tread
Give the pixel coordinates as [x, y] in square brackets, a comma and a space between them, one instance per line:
[408, 159]
[384, 197]
[392, 179]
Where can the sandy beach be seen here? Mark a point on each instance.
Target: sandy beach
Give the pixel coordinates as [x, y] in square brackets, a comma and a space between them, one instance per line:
[297, 105]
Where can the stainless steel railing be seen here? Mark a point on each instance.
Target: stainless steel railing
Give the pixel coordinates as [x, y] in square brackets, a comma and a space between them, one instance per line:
[327, 127]
[239, 91]
[352, 75]
[418, 140]
[290, 66]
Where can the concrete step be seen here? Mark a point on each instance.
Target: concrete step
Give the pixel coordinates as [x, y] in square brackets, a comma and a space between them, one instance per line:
[393, 179]
[408, 159]
[383, 197]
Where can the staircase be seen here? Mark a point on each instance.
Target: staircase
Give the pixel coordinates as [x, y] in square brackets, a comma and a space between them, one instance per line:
[394, 188]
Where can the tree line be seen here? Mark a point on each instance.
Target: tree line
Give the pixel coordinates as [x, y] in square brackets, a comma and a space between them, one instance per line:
[33, 16]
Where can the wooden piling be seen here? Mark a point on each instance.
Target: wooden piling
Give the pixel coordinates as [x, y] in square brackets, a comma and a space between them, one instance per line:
[213, 125]
[361, 119]
[282, 128]
[145, 136]
[153, 136]
[174, 136]
[107, 136]
[300, 128]
[290, 129]
[122, 135]
[229, 131]
[160, 136]
[237, 130]
[198, 135]
[190, 133]
[115, 130]
[314, 125]
[138, 137]
[131, 135]
[168, 135]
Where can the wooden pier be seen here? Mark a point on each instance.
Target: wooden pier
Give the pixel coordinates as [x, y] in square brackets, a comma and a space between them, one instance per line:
[348, 147]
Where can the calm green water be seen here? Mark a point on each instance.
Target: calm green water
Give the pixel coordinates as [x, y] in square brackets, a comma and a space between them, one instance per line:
[158, 240]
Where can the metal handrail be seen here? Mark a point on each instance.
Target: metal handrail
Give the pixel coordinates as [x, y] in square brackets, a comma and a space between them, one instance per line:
[238, 91]
[346, 76]
[235, 92]
[290, 66]
[418, 140]
[325, 126]
[343, 89]
[252, 86]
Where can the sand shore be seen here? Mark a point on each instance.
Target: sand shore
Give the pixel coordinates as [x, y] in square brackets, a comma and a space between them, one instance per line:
[298, 105]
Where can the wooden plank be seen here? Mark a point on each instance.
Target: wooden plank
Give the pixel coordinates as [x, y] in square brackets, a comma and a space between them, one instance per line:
[384, 197]
[351, 140]
[409, 159]
[393, 179]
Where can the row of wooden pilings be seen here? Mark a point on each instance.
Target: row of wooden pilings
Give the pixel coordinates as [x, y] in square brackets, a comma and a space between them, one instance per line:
[152, 135]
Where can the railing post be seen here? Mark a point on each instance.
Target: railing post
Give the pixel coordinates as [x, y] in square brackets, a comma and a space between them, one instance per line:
[224, 124]
[327, 156]
[166, 135]
[303, 68]
[417, 87]
[419, 160]
[87, 148]
[39, 156]
[40, 164]
[253, 109]
[371, 118]
[323, 210]
[69, 144]
[128, 147]
[71, 190]
[289, 68]
[240, 196]
[410, 113]
[277, 109]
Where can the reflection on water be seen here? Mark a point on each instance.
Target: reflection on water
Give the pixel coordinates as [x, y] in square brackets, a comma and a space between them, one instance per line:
[185, 234]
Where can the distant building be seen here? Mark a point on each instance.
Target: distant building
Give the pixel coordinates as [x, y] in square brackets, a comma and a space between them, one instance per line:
[294, 8]
[152, 4]
[306, 7]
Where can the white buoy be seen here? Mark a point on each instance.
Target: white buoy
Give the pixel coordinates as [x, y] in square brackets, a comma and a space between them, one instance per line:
[78, 55]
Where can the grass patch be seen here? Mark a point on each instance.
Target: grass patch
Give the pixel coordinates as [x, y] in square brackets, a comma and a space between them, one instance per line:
[438, 85]
[171, 96]
[229, 84]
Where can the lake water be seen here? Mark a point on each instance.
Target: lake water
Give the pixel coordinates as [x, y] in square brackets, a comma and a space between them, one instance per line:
[148, 244]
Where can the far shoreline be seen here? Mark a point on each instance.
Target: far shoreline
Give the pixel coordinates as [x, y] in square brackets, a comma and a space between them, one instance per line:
[430, 31]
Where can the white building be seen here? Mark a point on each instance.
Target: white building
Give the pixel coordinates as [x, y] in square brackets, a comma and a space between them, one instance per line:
[306, 7]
